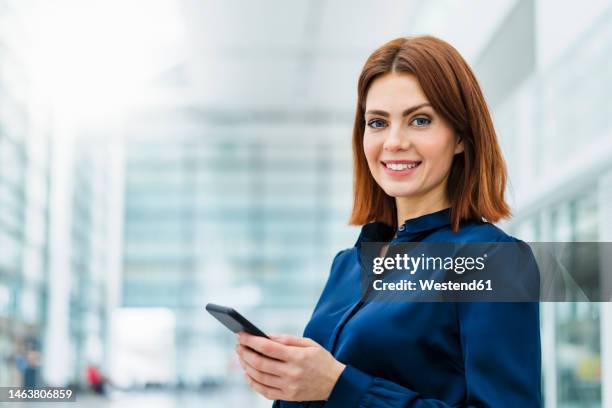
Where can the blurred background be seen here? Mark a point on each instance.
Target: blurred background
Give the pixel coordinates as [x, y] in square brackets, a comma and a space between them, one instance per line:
[159, 155]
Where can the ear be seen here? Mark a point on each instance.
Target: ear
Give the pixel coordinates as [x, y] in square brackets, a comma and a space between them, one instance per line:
[459, 145]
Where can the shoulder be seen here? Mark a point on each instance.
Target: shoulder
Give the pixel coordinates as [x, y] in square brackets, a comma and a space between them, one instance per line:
[506, 255]
[343, 256]
[343, 266]
[479, 231]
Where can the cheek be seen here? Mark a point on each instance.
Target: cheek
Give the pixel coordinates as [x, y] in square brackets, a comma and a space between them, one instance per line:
[438, 151]
[371, 150]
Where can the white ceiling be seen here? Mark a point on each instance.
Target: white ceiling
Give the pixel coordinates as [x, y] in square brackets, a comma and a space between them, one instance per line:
[283, 62]
[233, 61]
[287, 54]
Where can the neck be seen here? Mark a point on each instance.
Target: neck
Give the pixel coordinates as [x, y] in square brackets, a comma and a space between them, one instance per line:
[413, 207]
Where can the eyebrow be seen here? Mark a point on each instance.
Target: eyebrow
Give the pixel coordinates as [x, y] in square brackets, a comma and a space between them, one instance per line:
[404, 113]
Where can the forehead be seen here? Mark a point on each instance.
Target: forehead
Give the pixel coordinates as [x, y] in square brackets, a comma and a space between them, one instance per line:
[395, 91]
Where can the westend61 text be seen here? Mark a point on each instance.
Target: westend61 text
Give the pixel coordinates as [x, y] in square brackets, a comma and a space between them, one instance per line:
[432, 285]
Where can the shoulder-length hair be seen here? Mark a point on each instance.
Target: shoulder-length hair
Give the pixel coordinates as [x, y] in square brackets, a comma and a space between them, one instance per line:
[477, 178]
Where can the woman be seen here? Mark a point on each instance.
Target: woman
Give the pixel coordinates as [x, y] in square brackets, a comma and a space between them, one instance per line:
[427, 168]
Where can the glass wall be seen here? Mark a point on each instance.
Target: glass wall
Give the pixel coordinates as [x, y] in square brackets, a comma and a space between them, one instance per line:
[253, 221]
[24, 171]
[576, 337]
[555, 127]
[33, 192]
[90, 258]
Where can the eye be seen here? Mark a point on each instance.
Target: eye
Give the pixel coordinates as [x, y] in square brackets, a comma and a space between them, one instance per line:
[376, 123]
[421, 121]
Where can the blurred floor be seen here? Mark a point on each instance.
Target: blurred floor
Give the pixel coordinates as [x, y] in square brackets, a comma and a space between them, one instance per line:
[224, 398]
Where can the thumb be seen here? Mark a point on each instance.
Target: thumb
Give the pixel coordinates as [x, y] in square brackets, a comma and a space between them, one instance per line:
[290, 340]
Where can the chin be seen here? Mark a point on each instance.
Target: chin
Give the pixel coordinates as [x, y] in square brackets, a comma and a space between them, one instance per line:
[396, 192]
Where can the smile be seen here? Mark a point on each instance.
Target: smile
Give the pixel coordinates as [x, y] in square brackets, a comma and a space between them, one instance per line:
[400, 167]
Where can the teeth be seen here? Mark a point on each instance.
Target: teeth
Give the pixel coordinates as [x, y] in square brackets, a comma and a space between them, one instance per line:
[400, 166]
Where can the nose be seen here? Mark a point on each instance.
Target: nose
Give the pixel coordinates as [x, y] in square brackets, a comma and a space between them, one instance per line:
[396, 140]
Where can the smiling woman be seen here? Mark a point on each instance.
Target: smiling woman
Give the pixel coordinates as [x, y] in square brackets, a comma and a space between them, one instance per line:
[428, 168]
[408, 146]
[419, 96]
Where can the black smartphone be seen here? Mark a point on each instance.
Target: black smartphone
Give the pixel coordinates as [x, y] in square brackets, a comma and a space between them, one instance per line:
[233, 320]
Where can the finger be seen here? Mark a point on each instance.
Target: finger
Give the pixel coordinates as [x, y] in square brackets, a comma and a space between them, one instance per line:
[265, 346]
[294, 341]
[241, 361]
[270, 393]
[270, 380]
[260, 362]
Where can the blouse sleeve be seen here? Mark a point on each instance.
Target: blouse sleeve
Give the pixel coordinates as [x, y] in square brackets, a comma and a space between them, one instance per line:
[501, 349]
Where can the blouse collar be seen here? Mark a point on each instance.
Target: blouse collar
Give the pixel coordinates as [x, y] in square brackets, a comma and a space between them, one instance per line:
[378, 231]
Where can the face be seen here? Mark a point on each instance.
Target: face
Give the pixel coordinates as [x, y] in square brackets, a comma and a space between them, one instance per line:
[409, 147]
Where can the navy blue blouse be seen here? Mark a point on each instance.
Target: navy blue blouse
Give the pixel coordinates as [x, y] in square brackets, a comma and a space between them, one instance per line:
[425, 354]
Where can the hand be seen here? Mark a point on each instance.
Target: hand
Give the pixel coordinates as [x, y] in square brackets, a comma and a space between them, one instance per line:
[287, 367]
